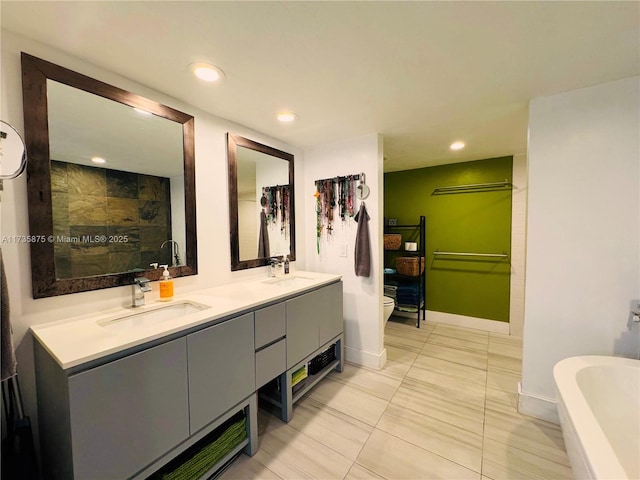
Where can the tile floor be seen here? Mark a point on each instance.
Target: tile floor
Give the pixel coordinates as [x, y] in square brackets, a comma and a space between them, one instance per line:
[444, 407]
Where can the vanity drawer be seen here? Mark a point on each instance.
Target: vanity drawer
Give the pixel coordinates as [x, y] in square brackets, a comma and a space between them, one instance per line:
[270, 324]
[270, 362]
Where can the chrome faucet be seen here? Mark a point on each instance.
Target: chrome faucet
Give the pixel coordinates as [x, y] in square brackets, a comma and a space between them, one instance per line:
[139, 286]
[275, 263]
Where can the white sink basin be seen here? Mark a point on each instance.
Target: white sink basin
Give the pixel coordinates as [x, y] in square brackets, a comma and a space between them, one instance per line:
[151, 316]
[294, 281]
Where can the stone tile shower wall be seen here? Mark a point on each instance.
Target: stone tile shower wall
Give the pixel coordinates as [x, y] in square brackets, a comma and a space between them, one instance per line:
[108, 221]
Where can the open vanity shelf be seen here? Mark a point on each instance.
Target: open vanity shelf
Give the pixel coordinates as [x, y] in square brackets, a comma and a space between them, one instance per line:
[283, 393]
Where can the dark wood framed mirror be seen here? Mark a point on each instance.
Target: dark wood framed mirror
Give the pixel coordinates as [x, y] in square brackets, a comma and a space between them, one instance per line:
[261, 203]
[95, 227]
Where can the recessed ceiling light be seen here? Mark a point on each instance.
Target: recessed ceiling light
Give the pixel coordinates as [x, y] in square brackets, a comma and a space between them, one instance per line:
[98, 160]
[457, 146]
[206, 72]
[286, 117]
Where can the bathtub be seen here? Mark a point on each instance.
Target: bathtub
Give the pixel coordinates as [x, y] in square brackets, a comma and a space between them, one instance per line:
[599, 408]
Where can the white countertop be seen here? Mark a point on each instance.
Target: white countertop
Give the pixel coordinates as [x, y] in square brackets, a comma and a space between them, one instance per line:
[78, 340]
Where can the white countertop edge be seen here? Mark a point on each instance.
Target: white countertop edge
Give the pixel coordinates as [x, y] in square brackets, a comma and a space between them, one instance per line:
[79, 340]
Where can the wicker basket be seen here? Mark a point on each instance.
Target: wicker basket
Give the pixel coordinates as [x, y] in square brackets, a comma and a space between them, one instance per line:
[392, 241]
[409, 266]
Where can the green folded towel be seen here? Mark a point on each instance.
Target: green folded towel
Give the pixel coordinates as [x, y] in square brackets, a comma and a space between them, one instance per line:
[211, 454]
[298, 375]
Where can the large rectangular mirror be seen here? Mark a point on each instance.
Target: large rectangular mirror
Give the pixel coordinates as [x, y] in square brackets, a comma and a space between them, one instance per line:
[261, 203]
[111, 183]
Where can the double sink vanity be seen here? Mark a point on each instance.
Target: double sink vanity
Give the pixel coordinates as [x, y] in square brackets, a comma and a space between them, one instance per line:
[133, 392]
[122, 393]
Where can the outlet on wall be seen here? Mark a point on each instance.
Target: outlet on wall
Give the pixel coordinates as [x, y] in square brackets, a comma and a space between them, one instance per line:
[343, 249]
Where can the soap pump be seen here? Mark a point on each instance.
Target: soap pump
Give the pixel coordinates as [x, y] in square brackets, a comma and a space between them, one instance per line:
[286, 265]
[166, 285]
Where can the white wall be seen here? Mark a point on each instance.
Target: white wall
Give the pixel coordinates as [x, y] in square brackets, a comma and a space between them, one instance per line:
[362, 296]
[211, 204]
[583, 241]
[518, 242]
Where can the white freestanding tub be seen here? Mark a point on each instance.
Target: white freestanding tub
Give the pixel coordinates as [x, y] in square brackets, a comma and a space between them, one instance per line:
[599, 408]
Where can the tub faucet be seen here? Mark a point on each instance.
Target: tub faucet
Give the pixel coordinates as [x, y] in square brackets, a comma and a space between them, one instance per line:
[139, 286]
[174, 251]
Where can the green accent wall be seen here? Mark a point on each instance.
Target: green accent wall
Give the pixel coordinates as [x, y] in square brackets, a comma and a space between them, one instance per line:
[477, 221]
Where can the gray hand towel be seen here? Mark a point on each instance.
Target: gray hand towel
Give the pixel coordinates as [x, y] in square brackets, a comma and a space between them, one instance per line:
[363, 248]
[263, 239]
[7, 355]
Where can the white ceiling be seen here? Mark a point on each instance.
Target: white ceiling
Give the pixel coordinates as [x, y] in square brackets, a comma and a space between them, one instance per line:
[422, 74]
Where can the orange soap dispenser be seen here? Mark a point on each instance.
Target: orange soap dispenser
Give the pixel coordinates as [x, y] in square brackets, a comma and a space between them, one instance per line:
[166, 285]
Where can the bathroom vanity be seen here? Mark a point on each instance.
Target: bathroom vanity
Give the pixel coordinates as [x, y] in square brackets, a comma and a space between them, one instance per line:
[123, 393]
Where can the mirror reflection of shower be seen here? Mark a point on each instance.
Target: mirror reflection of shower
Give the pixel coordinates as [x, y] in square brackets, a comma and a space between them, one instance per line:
[175, 251]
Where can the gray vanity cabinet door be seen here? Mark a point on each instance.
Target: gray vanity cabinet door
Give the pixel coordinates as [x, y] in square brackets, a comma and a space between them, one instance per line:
[271, 324]
[304, 314]
[221, 369]
[312, 320]
[129, 412]
[331, 324]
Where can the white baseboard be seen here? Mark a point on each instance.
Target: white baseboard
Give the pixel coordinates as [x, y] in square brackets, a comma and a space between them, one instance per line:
[468, 322]
[365, 359]
[537, 406]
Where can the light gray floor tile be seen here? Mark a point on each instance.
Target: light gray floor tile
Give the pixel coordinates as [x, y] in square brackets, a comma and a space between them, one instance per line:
[405, 342]
[370, 381]
[446, 371]
[459, 343]
[500, 461]
[479, 336]
[332, 428]
[500, 399]
[444, 439]
[291, 454]
[504, 363]
[400, 355]
[349, 400]
[398, 362]
[245, 467]
[414, 397]
[532, 435]
[453, 389]
[509, 349]
[503, 380]
[470, 358]
[394, 458]
[395, 370]
[505, 339]
[358, 472]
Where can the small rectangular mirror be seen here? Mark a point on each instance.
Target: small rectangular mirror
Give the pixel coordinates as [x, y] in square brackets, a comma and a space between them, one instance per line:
[261, 203]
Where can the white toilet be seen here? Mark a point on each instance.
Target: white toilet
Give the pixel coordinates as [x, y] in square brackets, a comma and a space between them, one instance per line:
[388, 304]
